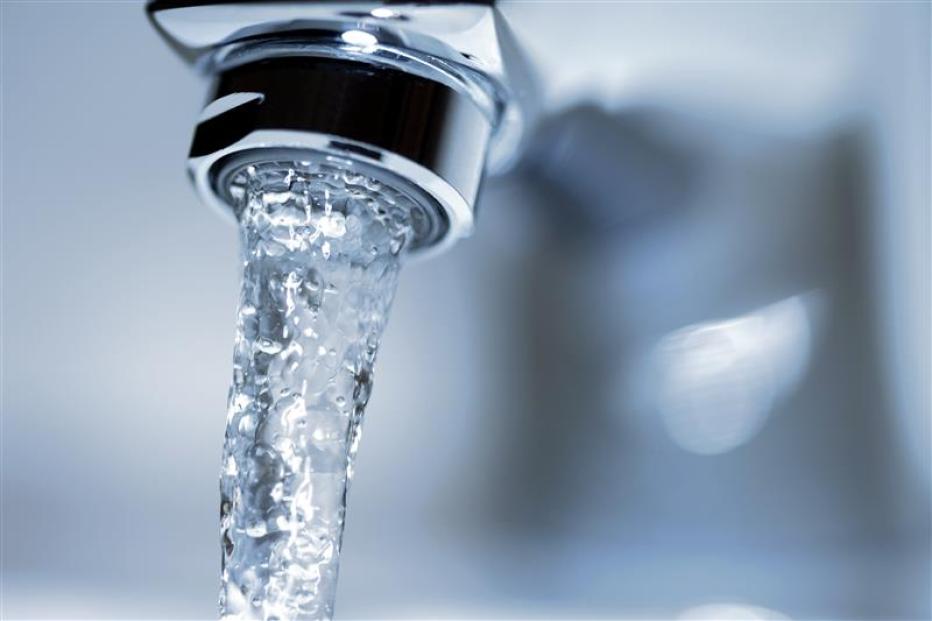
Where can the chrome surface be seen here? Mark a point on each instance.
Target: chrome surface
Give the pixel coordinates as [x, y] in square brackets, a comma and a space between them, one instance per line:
[436, 95]
[388, 122]
[471, 41]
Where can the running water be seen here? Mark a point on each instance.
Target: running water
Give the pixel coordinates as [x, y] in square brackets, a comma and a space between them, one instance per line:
[321, 253]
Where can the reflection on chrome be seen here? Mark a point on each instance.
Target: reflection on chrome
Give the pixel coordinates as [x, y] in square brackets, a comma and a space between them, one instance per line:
[717, 382]
[731, 612]
[359, 38]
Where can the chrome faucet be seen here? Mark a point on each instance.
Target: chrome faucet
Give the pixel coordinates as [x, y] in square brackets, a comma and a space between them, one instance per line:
[422, 97]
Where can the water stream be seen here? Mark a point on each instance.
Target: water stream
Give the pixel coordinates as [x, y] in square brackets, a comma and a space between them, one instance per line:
[321, 250]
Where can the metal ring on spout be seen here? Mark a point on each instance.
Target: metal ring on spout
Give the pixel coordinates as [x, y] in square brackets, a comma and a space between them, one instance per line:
[386, 122]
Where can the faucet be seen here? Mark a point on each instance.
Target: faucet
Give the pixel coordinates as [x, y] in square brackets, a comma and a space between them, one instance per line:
[424, 98]
[338, 136]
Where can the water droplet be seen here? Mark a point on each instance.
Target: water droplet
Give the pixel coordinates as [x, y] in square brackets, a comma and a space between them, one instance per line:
[268, 346]
[292, 281]
[278, 492]
[332, 224]
[247, 424]
[313, 280]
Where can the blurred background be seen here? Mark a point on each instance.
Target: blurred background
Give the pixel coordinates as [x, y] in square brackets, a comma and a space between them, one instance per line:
[682, 370]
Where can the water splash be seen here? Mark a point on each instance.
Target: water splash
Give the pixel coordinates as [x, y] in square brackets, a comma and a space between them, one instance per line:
[321, 253]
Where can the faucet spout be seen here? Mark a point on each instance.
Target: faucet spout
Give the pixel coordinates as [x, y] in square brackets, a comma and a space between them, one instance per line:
[423, 98]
